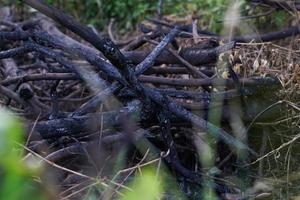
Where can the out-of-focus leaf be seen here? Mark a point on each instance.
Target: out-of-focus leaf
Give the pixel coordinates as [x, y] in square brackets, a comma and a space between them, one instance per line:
[16, 180]
[145, 186]
[10, 135]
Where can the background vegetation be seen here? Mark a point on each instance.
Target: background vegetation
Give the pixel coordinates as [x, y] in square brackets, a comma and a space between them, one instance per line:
[129, 13]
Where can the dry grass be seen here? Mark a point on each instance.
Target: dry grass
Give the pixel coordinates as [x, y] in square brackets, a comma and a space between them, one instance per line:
[271, 59]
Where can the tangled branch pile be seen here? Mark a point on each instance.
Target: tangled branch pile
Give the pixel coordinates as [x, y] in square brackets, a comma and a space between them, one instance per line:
[86, 106]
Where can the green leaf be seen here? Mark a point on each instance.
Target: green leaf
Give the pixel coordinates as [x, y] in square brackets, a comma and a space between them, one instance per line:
[145, 186]
[16, 177]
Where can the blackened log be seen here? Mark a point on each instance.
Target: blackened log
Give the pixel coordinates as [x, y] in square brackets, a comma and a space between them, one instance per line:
[205, 96]
[175, 70]
[265, 37]
[255, 81]
[192, 69]
[39, 77]
[77, 125]
[15, 35]
[195, 56]
[198, 56]
[15, 52]
[150, 59]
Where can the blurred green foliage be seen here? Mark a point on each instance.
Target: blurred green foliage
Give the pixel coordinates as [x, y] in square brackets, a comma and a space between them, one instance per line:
[17, 177]
[130, 12]
[146, 186]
